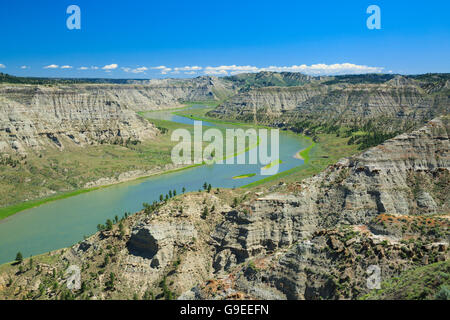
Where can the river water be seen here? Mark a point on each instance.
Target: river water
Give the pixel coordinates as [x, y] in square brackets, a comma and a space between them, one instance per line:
[64, 222]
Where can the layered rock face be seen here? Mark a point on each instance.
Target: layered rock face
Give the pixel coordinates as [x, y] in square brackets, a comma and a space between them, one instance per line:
[378, 213]
[396, 177]
[42, 116]
[393, 105]
[289, 231]
[39, 117]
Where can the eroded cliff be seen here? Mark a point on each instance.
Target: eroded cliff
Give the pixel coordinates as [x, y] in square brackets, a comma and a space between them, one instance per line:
[384, 210]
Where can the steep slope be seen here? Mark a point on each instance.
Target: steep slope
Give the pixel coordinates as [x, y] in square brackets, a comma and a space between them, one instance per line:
[383, 211]
[38, 116]
[390, 104]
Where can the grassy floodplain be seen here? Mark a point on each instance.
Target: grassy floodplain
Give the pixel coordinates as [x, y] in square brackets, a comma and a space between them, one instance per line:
[243, 176]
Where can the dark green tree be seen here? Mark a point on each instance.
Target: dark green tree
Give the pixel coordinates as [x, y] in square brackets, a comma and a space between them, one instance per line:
[19, 257]
[204, 213]
[109, 224]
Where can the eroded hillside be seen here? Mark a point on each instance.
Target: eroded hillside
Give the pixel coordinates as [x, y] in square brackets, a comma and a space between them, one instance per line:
[385, 103]
[386, 208]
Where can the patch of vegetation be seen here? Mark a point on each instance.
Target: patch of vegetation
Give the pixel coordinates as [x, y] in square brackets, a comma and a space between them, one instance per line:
[422, 283]
[242, 176]
[273, 163]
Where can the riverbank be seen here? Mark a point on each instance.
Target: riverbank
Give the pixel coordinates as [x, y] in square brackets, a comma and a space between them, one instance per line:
[105, 182]
[11, 210]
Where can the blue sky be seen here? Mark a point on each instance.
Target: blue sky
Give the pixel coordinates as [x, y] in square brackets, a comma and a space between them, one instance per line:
[147, 39]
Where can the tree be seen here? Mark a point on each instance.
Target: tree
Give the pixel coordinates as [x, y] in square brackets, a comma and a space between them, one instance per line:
[184, 189]
[121, 230]
[443, 294]
[161, 197]
[209, 188]
[235, 202]
[19, 257]
[174, 192]
[167, 197]
[116, 219]
[83, 286]
[205, 213]
[109, 224]
[148, 295]
[170, 193]
[205, 186]
[110, 283]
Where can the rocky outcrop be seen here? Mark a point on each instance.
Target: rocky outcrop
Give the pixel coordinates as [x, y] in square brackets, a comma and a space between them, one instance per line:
[156, 241]
[384, 211]
[38, 116]
[391, 106]
[396, 177]
[41, 117]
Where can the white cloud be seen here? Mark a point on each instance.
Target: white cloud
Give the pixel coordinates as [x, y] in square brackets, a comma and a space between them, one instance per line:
[136, 70]
[24, 67]
[52, 66]
[94, 68]
[110, 66]
[2, 66]
[314, 69]
[66, 67]
[223, 70]
[83, 68]
[163, 69]
[189, 68]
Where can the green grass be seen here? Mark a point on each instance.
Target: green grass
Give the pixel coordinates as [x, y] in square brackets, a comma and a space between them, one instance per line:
[200, 114]
[419, 283]
[211, 103]
[317, 156]
[8, 211]
[305, 152]
[242, 176]
[273, 163]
